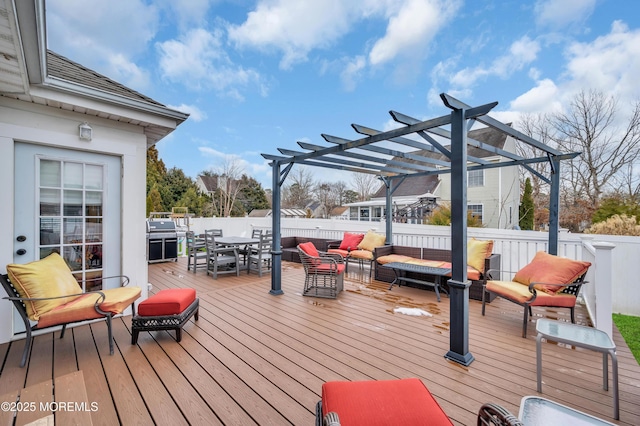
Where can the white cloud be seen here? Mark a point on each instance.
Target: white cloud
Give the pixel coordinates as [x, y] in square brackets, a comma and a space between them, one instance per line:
[259, 170]
[611, 63]
[352, 72]
[293, 27]
[195, 113]
[558, 14]
[411, 28]
[521, 53]
[542, 98]
[198, 60]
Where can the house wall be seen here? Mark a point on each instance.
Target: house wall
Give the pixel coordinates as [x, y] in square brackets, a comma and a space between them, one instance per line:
[500, 196]
[38, 124]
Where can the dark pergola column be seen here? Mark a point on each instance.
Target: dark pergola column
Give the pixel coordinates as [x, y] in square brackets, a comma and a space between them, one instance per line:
[459, 284]
[276, 247]
[554, 206]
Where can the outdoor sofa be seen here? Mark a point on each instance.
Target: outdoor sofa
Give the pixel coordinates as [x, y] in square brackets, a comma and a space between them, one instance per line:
[480, 260]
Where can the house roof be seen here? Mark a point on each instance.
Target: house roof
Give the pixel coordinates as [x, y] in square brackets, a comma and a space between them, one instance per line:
[337, 211]
[66, 69]
[209, 182]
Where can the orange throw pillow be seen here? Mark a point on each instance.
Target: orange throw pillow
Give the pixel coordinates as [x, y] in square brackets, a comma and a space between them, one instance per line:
[547, 268]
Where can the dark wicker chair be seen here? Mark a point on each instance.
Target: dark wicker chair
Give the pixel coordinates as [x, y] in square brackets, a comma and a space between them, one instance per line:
[324, 274]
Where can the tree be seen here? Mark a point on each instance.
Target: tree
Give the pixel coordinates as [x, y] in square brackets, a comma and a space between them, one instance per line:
[349, 196]
[526, 207]
[366, 185]
[154, 201]
[616, 204]
[298, 193]
[590, 127]
[156, 170]
[225, 199]
[252, 196]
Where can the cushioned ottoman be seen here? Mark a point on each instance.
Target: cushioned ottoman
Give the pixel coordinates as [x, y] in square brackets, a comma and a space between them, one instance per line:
[384, 402]
[166, 310]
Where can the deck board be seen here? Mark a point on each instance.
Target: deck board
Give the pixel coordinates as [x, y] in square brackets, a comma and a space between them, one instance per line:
[255, 358]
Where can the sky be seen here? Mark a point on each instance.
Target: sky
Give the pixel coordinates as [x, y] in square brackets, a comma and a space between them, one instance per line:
[260, 75]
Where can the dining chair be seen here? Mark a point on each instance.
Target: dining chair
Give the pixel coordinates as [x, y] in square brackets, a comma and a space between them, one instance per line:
[246, 250]
[196, 252]
[221, 259]
[259, 258]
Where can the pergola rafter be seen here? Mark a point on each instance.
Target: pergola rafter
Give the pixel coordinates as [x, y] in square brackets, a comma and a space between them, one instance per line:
[394, 163]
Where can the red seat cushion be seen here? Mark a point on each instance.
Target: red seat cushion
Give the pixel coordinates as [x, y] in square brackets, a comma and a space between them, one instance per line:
[385, 402]
[327, 268]
[167, 302]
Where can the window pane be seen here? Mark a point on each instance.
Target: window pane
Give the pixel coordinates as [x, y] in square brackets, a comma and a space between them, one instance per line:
[72, 203]
[94, 231]
[72, 175]
[94, 203]
[93, 177]
[49, 202]
[50, 173]
[93, 256]
[73, 231]
[49, 231]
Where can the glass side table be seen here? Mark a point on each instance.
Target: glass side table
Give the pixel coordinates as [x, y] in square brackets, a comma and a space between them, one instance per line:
[584, 337]
[537, 411]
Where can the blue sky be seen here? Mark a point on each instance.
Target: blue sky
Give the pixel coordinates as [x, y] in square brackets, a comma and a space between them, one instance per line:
[259, 75]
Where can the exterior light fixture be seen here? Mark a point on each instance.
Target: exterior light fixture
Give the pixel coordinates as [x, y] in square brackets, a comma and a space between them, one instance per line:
[85, 131]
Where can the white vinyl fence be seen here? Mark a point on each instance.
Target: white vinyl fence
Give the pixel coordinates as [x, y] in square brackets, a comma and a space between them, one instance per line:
[612, 278]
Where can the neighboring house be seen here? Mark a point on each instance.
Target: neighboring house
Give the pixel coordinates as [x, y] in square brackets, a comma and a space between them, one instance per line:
[207, 184]
[317, 209]
[339, 213]
[73, 149]
[493, 194]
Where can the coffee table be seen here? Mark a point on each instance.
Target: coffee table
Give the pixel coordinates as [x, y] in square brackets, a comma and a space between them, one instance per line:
[400, 270]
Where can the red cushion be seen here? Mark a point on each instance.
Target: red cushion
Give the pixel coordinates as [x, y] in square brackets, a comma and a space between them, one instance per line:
[385, 402]
[326, 268]
[309, 249]
[343, 253]
[350, 241]
[167, 302]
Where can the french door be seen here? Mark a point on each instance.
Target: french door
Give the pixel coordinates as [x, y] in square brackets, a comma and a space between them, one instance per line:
[68, 202]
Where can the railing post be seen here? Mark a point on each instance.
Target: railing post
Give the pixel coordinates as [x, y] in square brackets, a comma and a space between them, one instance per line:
[604, 286]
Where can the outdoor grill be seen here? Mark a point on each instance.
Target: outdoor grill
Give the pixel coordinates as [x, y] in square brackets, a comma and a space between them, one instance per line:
[162, 240]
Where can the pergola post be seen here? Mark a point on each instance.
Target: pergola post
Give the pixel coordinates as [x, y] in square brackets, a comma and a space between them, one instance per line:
[554, 206]
[388, 211]
[276, 250]
[459, 284]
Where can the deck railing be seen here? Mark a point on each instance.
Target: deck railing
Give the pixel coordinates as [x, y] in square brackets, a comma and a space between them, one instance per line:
[612, 278]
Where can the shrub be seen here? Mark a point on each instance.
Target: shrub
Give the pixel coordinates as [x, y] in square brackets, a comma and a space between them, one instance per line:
[616, 225]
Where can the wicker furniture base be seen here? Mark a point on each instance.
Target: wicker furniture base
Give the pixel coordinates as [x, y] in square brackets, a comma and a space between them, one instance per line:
[166, 322]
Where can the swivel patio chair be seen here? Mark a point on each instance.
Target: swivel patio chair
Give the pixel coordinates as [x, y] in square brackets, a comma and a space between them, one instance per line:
[324, 272]
[548, 281]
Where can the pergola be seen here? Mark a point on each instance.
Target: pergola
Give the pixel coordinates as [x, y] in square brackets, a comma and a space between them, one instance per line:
[393, 157]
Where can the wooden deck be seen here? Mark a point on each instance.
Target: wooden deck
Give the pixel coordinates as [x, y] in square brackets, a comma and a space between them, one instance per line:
[254, 358]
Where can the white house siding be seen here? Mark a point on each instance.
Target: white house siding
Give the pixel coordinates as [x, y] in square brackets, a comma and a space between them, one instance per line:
[37, 124]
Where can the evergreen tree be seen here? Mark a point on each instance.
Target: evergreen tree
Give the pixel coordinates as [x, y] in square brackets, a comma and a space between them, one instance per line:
[526, 207]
